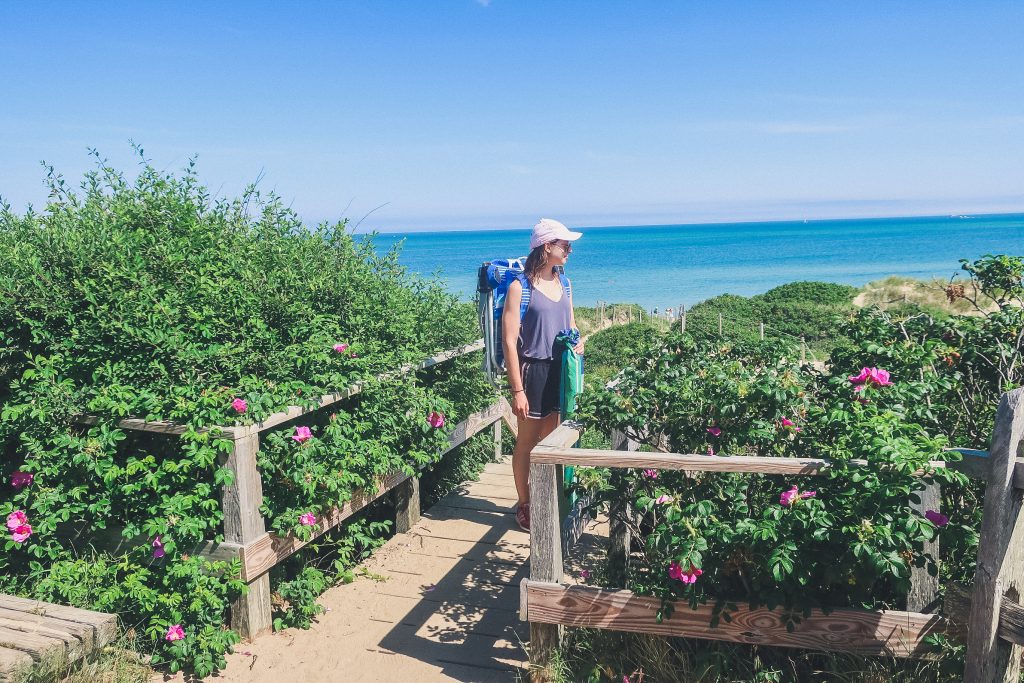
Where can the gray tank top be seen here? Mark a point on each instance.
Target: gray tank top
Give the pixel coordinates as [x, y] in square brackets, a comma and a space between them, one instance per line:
[541, 323]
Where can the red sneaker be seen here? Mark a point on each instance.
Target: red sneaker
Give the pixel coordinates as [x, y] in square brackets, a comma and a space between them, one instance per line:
[523, 516]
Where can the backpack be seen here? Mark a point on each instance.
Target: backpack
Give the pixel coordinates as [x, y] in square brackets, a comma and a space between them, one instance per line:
[493, 280]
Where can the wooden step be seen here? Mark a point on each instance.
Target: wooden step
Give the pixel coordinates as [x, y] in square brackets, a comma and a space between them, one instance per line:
[34, 631]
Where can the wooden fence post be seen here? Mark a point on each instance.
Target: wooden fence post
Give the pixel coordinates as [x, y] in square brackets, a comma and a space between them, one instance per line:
[682, 323]
[620, 537]
[1000, 573]
[924, 588]
[497, 440]
[243, 524]
[761, 326]
[545, 559]
[406, 499]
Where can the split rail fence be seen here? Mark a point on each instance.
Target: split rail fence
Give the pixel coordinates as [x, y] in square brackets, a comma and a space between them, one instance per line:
[245, 530]
[993, 632]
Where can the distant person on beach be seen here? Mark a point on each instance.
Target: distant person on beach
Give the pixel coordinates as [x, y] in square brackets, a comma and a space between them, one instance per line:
[533, 362]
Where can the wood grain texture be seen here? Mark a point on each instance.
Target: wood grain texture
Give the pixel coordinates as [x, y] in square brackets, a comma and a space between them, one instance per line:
[1000, 572]
[13, 664]
[33, 630]
[924, 588]
[406, 498]
[549, 453]
[243, 524]
[328, 400]
[103, 626]
[561, 439]
[269, 549]
[862, 632]
[473, 425]
[546, 562]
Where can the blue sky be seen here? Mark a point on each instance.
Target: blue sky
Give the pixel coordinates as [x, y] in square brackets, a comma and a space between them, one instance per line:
[462, 113]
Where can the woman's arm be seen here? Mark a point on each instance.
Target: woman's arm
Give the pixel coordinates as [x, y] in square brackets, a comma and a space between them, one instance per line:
[510, 323]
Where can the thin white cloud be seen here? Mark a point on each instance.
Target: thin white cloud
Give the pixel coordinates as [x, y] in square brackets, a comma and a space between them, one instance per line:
[484, 3]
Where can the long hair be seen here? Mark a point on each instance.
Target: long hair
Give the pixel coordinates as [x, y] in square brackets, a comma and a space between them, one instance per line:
[535, 263]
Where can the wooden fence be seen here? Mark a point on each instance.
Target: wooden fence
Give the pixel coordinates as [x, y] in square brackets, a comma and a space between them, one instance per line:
[994, 630]
[245, 530]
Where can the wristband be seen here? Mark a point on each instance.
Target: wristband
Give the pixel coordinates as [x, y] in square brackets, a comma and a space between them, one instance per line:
[516, 391]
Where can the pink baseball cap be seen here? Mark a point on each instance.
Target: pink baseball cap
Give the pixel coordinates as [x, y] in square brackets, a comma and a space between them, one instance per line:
[549, 230]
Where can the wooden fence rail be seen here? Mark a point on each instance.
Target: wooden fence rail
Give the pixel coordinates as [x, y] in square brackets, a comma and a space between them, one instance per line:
[993, 632]
[245, 530]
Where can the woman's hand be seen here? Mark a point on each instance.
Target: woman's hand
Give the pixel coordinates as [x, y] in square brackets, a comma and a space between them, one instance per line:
[579, 346]
[520, 405]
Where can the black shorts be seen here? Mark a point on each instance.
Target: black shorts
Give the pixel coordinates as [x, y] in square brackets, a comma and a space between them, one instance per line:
[542, 382]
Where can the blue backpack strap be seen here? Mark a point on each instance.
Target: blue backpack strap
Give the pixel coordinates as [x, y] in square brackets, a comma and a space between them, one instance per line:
[524, 301]
[565, 284]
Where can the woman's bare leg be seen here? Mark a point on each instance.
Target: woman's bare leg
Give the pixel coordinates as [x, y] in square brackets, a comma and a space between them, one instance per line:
[531, 432]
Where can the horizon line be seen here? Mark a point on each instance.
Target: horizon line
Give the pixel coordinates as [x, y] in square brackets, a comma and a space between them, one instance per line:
[609, 226]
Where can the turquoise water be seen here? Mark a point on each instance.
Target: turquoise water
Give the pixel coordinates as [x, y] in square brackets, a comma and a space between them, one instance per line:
[664, 266]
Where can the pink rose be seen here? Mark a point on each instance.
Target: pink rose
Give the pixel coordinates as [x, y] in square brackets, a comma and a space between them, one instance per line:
[862, 377]
[711, 451]
[936, 518]
[664, 498]
[16, 519]
[20, 480]
[435, 419]
[675, 571]
[302, 434]
[340, 348]
[307, 519]
[240, 405]
[715, 431]
[174, 633]
[585, 574]
[651, 474]
[876, 376]
[789, 424]
[21, 532]
[158, 547]
[792, 495]
[880, 377]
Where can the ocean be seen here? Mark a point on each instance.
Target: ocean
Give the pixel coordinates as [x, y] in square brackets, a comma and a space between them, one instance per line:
[666, 265]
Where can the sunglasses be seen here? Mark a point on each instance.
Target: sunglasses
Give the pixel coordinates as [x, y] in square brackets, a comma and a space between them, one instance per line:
[565, 246]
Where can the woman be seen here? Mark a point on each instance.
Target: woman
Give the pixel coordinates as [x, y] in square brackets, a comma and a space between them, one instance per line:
[532, 361]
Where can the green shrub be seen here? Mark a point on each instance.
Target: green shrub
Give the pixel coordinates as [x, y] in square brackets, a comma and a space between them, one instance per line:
[150, 298]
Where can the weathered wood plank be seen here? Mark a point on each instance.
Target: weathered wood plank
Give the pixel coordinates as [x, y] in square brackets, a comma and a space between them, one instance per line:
[77, 638]
[1000, 572]
[13, 663]
[924, 588]
[473, 425]
[269, 549]
[546, 564]
[243, 524]
[39, 646]
[549, 454]
[406, 498]
[328, 400]
[862, 632]
[560, 440]
[104, 626]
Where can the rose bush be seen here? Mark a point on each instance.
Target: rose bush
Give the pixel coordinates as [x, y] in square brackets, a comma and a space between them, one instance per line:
[147, 297]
